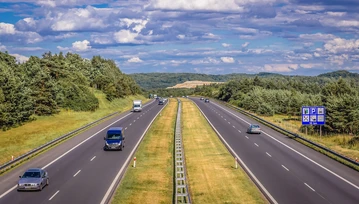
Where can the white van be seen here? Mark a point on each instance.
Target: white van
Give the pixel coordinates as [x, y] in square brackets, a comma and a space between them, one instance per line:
[137, 106]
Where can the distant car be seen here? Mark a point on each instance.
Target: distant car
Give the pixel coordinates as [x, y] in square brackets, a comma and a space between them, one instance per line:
[186, 96]
[207, 100]
[201, 99]
[254, 128]
[160, 102]
[33, 179]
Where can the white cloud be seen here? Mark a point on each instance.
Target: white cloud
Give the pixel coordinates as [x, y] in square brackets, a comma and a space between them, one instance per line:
[20, 58]
[139, 24]
[339, 60]
[310, 65]
[6, 28]
[79, 19]
[317, 37]
[193, 5]
[208, 60]
[244, 45]
[226, 45]
[63, 48]
[2, 47]
[211, 36]
[227, 59]
[342, 45]
[336, 13]
[81, 45]
[181, 37]
[134, 60]
[125, 36]
[280, 67]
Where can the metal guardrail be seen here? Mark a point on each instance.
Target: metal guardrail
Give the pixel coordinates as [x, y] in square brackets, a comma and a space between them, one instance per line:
[30, 153]
[181, 186]
[293, 134]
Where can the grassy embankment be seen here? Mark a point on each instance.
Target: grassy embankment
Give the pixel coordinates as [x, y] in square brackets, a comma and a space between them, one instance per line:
[210, 167]
[20, 140]
[152, 179]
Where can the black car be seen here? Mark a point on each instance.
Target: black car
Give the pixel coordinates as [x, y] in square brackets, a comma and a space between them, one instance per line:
[207, 100]
[160, 102]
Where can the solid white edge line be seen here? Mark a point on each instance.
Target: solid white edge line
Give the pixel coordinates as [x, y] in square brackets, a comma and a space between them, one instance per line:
[314, 162]
[77, 172]
[53, 161]
[127, 160]
[285, 168]
[256, 144]
[54, 195]
[268, 154]
[309, 187]
[93, 158]
[240, 160]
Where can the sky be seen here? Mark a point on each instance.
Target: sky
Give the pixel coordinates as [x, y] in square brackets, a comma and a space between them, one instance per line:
[291, 37]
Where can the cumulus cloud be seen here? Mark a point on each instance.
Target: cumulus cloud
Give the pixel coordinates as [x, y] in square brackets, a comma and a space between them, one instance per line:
[317, 37]
[196, 5]
[244, 45]
[280, 67]
[227, 59]
[134, 60]
[20, 58]
[226, 45]
[81, 45]
[342, 45]
[2, 47]
[125, 36]
[6, 28]
[338, 59]
[208, 60]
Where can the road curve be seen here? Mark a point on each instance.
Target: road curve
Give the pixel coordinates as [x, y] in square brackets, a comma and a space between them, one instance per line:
[289, 171]
[80, 171]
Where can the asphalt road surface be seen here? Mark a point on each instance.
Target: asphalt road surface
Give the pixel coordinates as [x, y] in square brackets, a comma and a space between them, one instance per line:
[80, 170]
[288, 171]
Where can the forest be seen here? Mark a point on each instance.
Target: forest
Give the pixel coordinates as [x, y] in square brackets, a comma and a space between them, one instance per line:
[45, 85]
[285, 95]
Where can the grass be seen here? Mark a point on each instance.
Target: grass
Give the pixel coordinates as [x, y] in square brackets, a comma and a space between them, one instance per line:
[20, 140]
[210, 167]
[152, 179]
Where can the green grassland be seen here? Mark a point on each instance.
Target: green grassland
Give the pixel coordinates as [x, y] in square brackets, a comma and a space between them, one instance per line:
[152, 179]
[210, 167]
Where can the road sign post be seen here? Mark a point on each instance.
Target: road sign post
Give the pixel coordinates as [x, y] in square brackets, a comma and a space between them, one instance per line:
[313, 115]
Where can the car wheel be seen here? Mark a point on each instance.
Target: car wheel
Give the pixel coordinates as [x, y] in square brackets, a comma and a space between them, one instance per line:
[47, 182]
[40, 189]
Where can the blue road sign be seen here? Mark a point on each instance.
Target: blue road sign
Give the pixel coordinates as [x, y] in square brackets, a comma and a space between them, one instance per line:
[313, 115]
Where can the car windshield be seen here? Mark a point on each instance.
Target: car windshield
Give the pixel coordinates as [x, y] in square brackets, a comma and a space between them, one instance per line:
[137, 105]
[31, 174]
[255, 126]
[114, 136]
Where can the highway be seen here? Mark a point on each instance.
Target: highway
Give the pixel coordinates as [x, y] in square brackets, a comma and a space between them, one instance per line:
[80, 170]
[288, 171]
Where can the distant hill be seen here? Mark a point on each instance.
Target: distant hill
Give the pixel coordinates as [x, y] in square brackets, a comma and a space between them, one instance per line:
[340, 73]
[150, 81]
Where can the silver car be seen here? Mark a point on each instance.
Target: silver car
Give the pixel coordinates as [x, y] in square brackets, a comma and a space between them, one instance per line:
[33, 179]
[254, 128]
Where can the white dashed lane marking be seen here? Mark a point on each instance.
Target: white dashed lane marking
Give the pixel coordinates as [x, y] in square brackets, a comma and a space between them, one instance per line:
[268, 154]
[77, 173]
[285, 168]
[256, 144]
[247, 137]
[93, 158]
[54, 195]
[309, 187]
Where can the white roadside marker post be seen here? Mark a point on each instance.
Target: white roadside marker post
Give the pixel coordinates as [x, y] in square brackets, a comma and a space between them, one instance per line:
[134, 162]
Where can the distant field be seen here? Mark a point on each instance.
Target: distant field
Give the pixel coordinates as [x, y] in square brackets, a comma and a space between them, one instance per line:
[193, 84]
[152, 179]
[210, 167]
[20, 140]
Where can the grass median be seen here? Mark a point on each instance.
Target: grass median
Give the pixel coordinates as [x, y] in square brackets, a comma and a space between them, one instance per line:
[152, 179]
[20, 140]
[210, 167]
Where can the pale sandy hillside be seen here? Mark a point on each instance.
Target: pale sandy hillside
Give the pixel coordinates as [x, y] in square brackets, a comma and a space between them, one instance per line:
[192, 84]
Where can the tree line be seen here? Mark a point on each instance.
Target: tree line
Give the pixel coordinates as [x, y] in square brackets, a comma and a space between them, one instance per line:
[44, 85]
[286, 96]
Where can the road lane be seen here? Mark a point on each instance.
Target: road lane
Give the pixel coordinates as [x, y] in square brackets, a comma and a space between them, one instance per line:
[295, 185]
[100, 170]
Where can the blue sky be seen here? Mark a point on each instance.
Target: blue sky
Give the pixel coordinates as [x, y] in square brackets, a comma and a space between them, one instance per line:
[293, 37]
